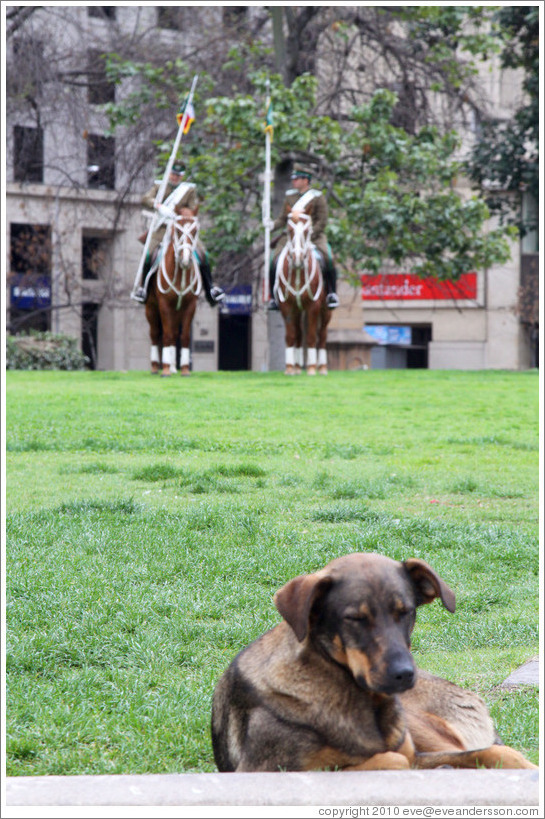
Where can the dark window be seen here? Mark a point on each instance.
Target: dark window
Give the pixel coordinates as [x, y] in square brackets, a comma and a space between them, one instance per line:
[405, 111]
[28, 160]
[99, 89]
[235, 16]
[101, 162]
[89, 332]
[30, 277]
[30, 249]
[95, 255]
[171, 17]
[104, 12]
[29, 69]
[22, 321]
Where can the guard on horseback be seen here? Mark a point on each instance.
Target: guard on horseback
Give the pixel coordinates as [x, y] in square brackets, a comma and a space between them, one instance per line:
[188, 205]
[303, 196]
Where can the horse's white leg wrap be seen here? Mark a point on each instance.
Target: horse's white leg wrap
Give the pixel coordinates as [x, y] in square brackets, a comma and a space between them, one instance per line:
[169, 357]
[299, 356]
[155, 357]
[184, 357]
[311, 357]
[290, 356]
[322, 358]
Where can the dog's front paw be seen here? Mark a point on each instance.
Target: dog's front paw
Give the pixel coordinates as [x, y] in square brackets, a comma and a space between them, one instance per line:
[389, 761]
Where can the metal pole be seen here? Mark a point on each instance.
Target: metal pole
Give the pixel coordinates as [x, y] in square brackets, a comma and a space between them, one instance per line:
[162, 188]
[266, 206]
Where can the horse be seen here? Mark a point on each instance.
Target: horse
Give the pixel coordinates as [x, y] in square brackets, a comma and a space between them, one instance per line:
[173, 293]
[300, 293]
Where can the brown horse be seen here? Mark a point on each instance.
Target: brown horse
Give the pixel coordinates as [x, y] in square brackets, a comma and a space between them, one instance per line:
[301, 294]
[173, 293]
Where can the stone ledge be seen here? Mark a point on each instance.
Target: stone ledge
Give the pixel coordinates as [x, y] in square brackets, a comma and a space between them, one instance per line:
[527, 674]
[441, 787]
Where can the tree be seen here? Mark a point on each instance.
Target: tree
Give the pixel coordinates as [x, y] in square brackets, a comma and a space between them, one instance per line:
[505, 158]
[391, 193]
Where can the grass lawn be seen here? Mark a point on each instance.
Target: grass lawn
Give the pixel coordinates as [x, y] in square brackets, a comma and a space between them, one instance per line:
[150, 521]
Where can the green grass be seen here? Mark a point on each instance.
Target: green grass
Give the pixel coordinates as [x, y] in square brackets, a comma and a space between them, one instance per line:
[150, 522]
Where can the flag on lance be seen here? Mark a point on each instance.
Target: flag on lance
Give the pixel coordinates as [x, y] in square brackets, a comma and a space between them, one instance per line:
[186, 116]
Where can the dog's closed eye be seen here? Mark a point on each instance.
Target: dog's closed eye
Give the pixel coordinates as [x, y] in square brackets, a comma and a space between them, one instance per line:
[401, 613]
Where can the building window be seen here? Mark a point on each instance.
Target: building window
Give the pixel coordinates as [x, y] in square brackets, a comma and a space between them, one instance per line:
[171, 17]
[30, 249]
[30, 277]
[235, 17]
[28, 68]
[28, 154]
[101, 162]
[99, 89]
[103, 12]
[95, 256]
[405, 112]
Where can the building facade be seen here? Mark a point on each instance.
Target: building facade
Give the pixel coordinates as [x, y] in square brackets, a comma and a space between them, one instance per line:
[74, 217]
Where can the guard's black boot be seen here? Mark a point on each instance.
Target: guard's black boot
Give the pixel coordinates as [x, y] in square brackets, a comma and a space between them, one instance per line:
[332, 300]
[272, 305]
[140, 293]
[214, 295]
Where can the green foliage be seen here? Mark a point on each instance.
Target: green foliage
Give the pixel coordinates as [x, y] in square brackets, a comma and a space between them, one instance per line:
[142, 555]
[392, 194]
[507, 153]
[44, 351]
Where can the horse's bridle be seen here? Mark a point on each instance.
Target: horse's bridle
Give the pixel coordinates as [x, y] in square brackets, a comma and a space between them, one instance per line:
[298, 250]
[183, 232]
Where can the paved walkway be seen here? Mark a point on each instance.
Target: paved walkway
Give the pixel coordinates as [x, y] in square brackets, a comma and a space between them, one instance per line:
[441, 787]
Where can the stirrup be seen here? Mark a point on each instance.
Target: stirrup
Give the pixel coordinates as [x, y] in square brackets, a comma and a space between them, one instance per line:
[272, 305]
[216, 296]
[140, 295]
[332, 300]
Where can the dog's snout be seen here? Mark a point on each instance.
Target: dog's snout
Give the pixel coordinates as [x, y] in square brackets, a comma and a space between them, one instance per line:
[404, 676]
[401, 674]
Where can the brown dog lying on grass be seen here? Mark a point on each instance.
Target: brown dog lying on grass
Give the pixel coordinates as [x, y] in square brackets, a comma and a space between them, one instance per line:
[335, 685]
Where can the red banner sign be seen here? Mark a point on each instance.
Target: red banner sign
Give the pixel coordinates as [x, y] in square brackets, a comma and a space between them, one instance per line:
[407, 287]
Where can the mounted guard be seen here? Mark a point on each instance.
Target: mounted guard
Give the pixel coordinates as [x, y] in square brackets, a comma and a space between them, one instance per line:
[301, 295]
[302, 197]
[182, 195]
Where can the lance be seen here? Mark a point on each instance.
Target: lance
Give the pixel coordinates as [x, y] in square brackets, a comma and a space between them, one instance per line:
[162, 187]
[266, 205]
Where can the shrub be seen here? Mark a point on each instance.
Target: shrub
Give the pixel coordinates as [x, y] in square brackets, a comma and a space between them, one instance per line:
[44, 351]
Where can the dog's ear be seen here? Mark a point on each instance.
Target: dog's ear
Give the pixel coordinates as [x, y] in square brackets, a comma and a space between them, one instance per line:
[294, 601]
[428, 584]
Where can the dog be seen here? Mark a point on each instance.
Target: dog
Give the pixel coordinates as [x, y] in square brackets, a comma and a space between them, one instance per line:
[335, 686]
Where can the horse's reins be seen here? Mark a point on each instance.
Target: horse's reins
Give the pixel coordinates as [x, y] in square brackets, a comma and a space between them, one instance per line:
[183, 236]
[299, 229]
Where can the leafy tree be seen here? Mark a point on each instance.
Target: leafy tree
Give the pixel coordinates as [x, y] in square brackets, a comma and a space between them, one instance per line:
[391, 193]
[505, 157]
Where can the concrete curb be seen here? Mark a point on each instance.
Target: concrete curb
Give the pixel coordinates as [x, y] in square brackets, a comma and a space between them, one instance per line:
[431, 788]
[527, 674]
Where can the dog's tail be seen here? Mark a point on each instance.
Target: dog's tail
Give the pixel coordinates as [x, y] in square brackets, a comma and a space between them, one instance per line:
[496, 756]
[226, 728]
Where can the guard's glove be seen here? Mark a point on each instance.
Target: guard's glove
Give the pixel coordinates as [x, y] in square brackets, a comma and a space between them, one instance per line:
[165, 212]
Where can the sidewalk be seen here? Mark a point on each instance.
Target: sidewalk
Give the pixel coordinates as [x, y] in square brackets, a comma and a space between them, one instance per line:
[440, 787]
